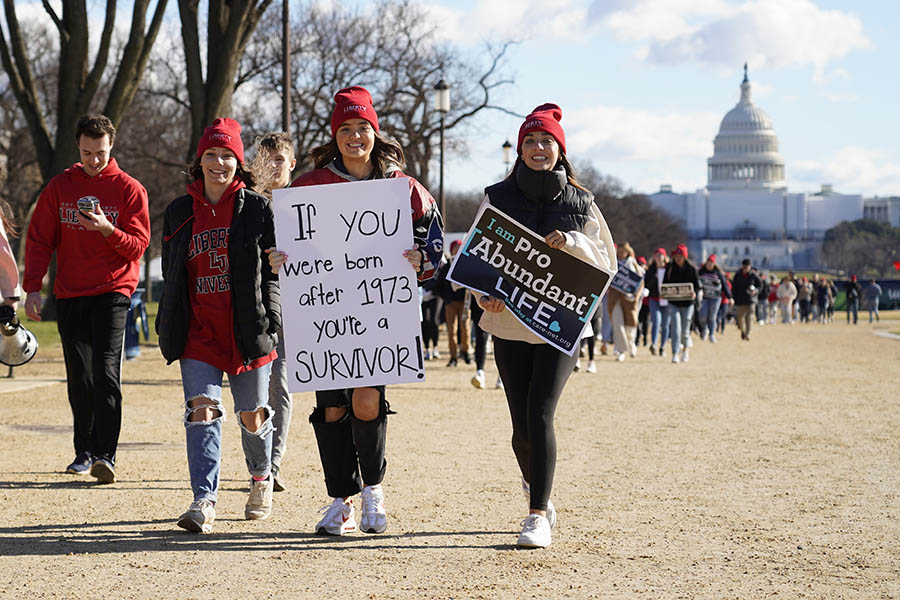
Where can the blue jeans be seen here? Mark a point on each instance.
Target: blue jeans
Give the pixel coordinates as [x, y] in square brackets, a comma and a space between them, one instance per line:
[853, 306]
[709, 310]
[204, 438]
[281, 404]
[606, 328]
[679, 318]
[658, 323]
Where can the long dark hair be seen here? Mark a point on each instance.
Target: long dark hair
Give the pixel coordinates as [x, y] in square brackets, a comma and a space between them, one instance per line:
[194, 171]
[386, 152]
[562, 162]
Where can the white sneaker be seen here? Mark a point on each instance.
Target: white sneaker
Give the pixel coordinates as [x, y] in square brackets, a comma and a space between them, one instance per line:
[259, 504]
[592, 367]
[633, 351]
[535, 532]
[620, 356]
[551, 510]
[674, 358]
[578, 365]
[684, 356]
[339, 518]
[499, 385]
[199, 517]
[478, 379]
[436, 355]
[374, 519]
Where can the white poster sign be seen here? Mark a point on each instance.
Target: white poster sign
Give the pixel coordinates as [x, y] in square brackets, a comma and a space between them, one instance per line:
[349, 298]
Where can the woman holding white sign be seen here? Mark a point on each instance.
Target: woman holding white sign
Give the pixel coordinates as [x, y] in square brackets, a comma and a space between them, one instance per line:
[680, 311]
[220, 313]
[351, 424]
[541, 193]
[623, 309]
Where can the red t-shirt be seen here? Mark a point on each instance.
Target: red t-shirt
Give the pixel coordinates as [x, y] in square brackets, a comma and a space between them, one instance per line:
[211, 333]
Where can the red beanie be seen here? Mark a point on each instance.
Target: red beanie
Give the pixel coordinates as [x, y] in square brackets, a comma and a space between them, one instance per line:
[680, 249]
[454, 245]
[641, 260]
[661, 251]
[353, 103]
[712, 258]
[223, 133]
[545, 117]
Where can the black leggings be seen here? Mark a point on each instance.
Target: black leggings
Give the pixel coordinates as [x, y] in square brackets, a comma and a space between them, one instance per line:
[481, 336]
[533, 376]
[431, 329]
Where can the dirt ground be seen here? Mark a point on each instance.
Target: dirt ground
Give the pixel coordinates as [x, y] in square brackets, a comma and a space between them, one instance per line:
[761, 469]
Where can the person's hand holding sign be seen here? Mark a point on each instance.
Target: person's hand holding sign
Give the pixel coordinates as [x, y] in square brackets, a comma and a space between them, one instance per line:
[276, 259]
[556, 239]
[491, 304]
[414, 256]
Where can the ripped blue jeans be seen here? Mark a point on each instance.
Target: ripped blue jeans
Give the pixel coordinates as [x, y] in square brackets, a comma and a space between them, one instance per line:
[250, 391]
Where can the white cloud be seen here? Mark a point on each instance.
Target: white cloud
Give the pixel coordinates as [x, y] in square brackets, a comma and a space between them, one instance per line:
[512, 19]
[767, 33]
[842, 97]
[637, 134]
[852, 170]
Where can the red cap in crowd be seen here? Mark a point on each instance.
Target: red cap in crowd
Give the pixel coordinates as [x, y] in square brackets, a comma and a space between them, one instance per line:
[353, 103]
[661, 251]
[223, 133]
[545, 117]
[853, 278]
[680, 249]
[711, 258]
[454, 245]
[641, 260]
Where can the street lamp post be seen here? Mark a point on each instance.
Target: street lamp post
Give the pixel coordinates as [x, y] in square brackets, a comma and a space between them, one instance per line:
[442, 105]
[285, 68]
[507, 155]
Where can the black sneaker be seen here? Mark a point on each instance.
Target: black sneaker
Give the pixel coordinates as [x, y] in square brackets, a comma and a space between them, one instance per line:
[451, 362]
[103, 470]
[465, 357]
[81, 465]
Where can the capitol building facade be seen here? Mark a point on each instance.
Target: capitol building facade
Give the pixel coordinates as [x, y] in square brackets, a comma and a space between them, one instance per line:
[746, 210]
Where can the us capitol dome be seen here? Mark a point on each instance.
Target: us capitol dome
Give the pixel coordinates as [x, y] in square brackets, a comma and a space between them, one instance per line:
[746, 149]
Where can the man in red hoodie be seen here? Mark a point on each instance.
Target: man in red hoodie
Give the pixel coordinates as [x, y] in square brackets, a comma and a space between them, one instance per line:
[95, 217]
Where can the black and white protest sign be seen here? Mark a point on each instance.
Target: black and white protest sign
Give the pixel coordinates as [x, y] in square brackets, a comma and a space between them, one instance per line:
[551, 292]
[626, 280]
[349, 298]
[676, 291]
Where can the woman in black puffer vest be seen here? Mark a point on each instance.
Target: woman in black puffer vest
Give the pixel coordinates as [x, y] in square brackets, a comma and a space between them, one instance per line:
[542, 194]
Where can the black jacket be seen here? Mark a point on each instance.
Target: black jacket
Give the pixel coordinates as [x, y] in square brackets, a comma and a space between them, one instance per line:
[684, 274]
[740, 287]
[254, 288]
[542, 201]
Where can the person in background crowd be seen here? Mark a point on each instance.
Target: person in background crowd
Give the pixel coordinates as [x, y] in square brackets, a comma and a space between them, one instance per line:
[432, 309]
[786, 292]
[481, 342]
[680, 312]
[727, 298]
[351, 424]
[591, 342]
[715, 291]
[795, 312]
[805, 294]
[94, 216]
[745, 289]
[456, 312]
[541, 192]
[773, 300]
[644, 314]
[659, 325]
[834, 294]
[271, 169]
[9, 268]
[852, 290]
[872, 296]
[623, 309]
[762, 307]
[823, 299]
[220, 312]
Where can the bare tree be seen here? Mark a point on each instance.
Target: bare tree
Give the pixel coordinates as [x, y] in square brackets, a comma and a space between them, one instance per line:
[78, 81]
[230, 26]
[390, 49]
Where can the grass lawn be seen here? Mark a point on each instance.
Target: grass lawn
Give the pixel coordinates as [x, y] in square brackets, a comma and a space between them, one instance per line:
[48, 336]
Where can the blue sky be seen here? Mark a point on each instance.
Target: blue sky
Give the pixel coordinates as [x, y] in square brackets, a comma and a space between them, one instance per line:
[644, 84]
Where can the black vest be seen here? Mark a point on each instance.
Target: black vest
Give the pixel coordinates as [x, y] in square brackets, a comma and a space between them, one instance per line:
[542, 201]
